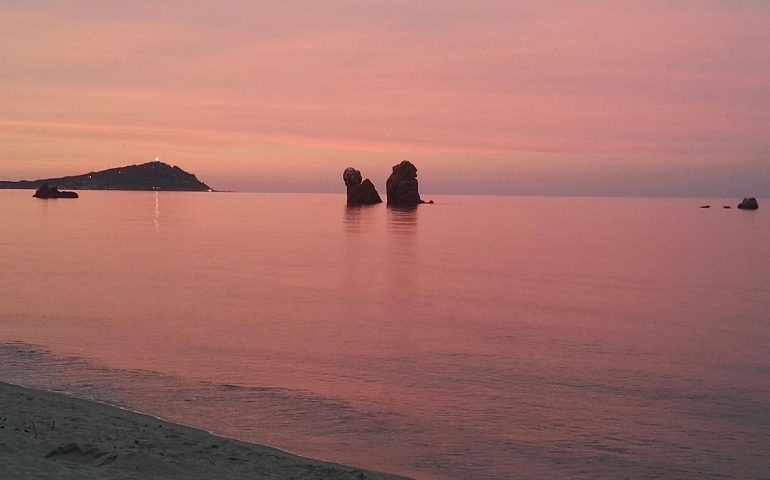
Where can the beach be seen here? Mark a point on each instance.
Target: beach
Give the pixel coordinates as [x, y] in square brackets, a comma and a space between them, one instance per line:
[51, 435]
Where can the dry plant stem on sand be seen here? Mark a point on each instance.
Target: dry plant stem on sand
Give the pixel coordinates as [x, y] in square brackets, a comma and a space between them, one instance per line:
[49, 435]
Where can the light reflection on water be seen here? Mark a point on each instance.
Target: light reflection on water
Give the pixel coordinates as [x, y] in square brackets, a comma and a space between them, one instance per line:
[156, 218]
[473, 338]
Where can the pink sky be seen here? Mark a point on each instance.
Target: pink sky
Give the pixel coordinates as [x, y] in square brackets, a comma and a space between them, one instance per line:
[547, 97]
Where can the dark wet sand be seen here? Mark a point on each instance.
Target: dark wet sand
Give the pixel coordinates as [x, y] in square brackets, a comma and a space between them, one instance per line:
[50, 435]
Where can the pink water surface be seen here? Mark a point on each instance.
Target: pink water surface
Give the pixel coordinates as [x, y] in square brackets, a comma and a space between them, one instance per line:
[480, 337]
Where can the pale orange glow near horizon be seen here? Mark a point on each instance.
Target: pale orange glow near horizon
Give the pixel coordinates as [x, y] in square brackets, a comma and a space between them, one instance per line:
[570, 97]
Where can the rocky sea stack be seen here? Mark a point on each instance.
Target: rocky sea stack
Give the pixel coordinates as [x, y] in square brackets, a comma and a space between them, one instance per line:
[749, 203]
[359, 192]
[402, 186]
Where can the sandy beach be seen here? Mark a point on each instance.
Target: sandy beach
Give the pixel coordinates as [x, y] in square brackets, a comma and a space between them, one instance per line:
[50, 435]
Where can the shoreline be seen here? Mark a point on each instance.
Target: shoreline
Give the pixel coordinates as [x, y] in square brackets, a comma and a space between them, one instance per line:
[45, 434]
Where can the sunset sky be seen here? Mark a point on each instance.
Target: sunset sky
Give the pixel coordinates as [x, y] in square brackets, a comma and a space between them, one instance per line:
[587, 97]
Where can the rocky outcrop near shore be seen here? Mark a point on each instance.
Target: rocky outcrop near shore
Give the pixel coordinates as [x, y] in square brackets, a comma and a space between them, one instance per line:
[50, 191]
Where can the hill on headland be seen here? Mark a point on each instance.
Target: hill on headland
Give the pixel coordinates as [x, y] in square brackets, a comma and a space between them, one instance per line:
[147, 176]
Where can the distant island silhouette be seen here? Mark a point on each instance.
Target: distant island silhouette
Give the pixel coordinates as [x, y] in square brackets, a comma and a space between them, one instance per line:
[147, 176]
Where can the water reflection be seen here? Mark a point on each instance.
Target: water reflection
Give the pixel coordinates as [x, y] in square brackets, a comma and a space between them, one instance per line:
[156, 220]
[402, 256]
[359, 218]
[402, 221]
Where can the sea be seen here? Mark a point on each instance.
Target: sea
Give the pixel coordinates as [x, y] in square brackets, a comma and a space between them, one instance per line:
[481, 337]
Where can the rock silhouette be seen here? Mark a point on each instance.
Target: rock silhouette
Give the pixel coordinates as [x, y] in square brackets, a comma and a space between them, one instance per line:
[749, 203]
[359, 192]
[402, 186]
[49, 191]
[147, 176]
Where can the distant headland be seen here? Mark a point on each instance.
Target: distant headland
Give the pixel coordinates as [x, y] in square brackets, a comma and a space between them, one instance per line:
[147, 176]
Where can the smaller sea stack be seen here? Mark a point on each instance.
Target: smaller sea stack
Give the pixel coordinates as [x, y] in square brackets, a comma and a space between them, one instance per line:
[359, 192]
[50, 191]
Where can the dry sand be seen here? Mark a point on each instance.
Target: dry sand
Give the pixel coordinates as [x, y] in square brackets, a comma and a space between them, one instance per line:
[45, 435]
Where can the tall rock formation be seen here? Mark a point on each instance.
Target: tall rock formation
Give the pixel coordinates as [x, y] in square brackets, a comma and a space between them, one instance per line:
[402, 186]
[359, 192]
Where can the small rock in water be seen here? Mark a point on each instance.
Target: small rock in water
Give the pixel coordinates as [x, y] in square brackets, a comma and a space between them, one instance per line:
[49, 191]
[749, 203]
[705, 206]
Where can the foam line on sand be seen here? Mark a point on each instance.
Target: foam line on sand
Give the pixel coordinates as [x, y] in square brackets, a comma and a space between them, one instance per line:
[51, 435]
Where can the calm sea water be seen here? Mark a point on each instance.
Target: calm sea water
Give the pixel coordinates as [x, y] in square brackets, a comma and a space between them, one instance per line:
[477, 338]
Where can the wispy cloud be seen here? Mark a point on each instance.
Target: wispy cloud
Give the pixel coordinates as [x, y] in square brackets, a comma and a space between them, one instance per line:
[575, 79]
